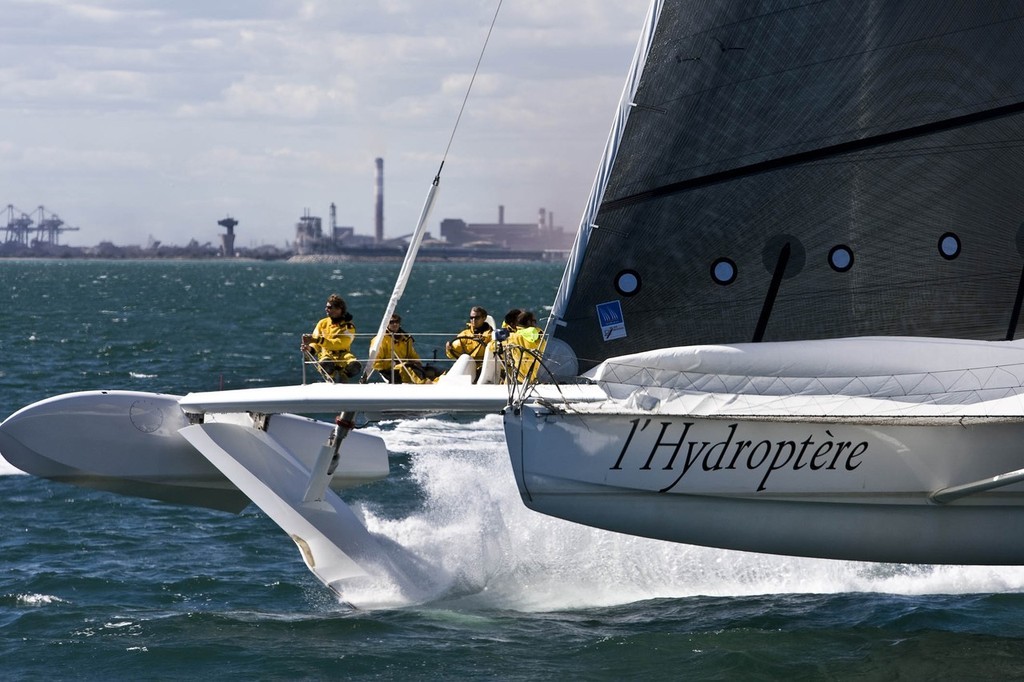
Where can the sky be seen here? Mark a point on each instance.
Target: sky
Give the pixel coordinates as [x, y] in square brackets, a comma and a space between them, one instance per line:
[136, 120]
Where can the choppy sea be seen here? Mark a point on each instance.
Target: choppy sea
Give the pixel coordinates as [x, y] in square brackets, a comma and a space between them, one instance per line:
[98, 586]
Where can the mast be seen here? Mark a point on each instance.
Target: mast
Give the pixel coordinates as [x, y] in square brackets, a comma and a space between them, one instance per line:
[428, 204]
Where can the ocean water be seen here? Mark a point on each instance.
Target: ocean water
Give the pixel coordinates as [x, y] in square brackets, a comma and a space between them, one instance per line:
[99, 586]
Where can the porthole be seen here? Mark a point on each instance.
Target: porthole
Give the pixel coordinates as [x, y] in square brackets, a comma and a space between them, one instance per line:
[723, 271]
[840, 258]
[949, 246]
[627, 282]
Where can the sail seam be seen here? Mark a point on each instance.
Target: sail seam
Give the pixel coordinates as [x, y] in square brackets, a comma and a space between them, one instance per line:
[812, 155]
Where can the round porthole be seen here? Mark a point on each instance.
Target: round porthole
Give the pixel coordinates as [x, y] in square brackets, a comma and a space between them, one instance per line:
[627, 282]
[840, 258]
[949, 246]
[723, 271]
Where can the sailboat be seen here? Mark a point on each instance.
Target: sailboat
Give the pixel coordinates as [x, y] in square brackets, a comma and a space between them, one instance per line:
[787, 324]
[798, 281]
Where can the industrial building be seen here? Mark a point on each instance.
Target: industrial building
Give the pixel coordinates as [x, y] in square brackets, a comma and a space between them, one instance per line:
[459, 239]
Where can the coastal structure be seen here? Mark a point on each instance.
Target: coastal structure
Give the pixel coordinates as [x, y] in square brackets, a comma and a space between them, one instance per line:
[35, 228]
[378, 202]
[540, 240]
[227, 239]
[542, 235]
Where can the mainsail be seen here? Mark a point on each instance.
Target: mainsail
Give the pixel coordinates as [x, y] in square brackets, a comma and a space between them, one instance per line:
[793, 170]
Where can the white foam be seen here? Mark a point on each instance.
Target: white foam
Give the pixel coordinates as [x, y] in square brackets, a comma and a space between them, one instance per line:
[39, 599]
[475, 543]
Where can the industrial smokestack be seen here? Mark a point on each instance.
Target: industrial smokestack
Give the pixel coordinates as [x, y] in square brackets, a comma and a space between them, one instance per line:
[541, 219]
[378, 232]
[501, 214]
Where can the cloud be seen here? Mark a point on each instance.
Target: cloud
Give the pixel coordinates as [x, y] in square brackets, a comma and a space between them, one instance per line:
[178, 110]
[60, 159]
[256, 95]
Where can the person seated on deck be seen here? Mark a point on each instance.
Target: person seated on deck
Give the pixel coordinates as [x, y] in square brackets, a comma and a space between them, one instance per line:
[472, 340]
[509, 322]
[523, 348]
[331, 341]
[397, 359]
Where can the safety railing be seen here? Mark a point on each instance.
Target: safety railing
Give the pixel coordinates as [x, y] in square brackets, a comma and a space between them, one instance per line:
[431, 355]
[503, 363]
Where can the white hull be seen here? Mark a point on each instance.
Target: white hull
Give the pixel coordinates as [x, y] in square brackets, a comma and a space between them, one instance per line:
[843, 488]
[129, 442]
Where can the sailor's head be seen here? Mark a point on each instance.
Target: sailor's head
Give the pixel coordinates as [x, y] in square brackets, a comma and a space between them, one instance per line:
[335, 306]
[477, 316]
[511, 317]
[526, 319]
[394, 323]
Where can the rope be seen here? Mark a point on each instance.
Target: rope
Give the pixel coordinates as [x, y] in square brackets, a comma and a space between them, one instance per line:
[465, 99]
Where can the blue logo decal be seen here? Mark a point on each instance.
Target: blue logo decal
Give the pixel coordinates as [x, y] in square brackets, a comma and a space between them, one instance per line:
[613, 324]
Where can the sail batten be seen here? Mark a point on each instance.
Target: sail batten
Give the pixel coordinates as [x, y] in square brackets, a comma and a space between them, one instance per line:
[820, 154]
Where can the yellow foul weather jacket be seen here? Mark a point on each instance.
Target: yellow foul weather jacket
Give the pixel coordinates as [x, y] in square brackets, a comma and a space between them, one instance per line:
[393, 349]
[518, 349]
[333, 341]
[466, 344]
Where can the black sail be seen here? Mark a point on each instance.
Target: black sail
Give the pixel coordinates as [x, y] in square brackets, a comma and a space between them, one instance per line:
[800, 170]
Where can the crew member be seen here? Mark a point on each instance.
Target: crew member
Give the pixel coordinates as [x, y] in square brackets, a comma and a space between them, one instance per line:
[331, 341]
[473, 339]
[511, 316]
[397, 359]
[524, 347]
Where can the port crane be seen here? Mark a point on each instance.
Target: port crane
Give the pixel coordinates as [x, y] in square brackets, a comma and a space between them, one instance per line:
[21, 225]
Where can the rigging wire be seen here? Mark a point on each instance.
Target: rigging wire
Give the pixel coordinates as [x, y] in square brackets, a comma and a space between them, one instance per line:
[469, 88]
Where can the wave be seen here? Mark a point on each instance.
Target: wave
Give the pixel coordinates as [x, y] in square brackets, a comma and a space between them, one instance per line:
[473, 543]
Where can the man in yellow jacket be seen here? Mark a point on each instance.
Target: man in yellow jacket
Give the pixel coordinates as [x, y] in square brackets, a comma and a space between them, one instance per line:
[473, 339]
[331, 341]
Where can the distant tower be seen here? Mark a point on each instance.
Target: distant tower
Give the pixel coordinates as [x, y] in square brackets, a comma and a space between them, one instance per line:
[378, 233]
[228, 240]
[501, 214]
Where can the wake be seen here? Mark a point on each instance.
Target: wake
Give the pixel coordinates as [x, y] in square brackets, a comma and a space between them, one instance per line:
[475, 545]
